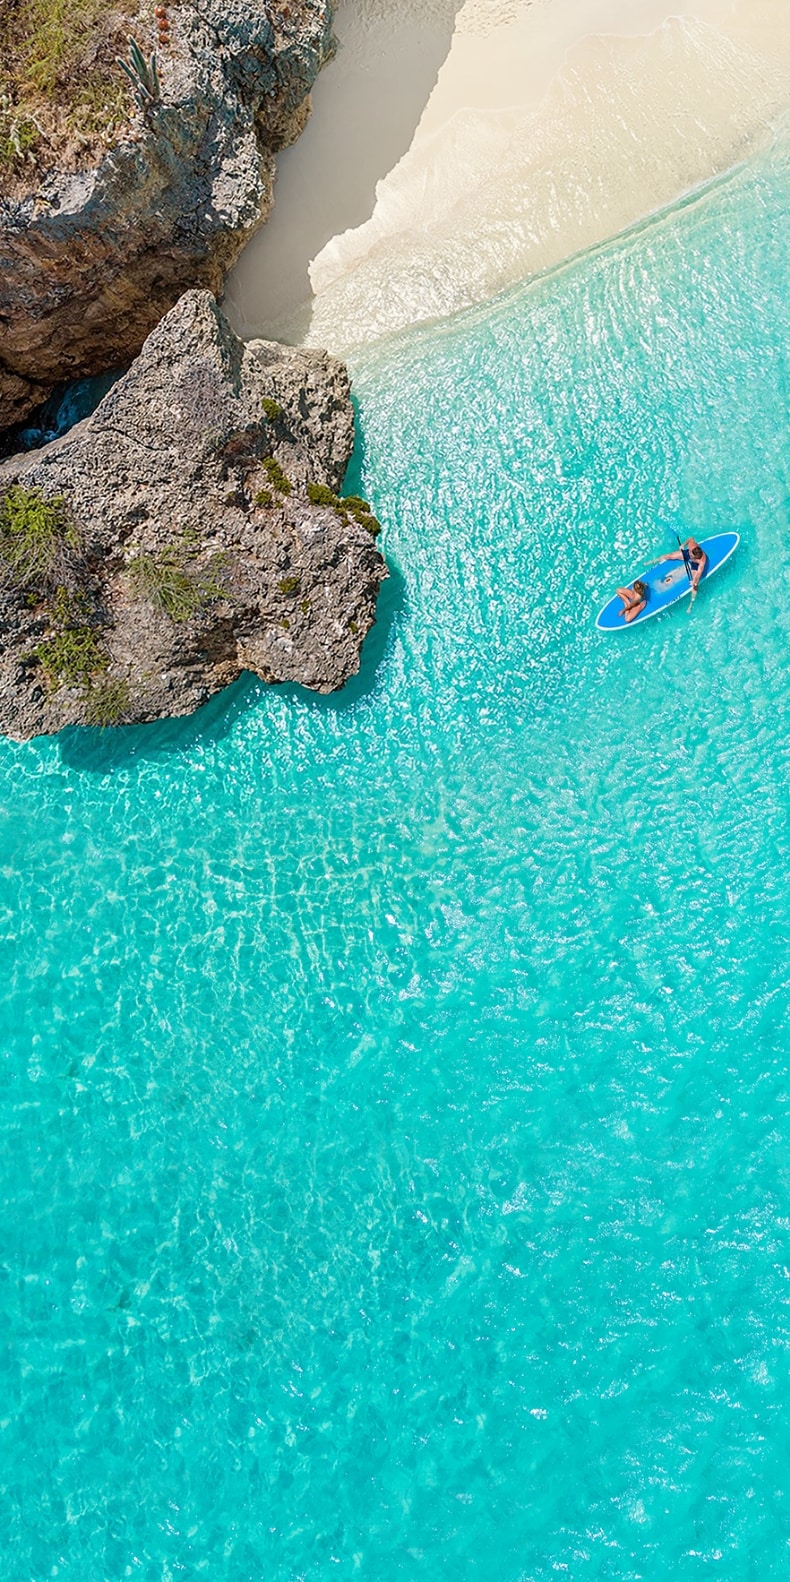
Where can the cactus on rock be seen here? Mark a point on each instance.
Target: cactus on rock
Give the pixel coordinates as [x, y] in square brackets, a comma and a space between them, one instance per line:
[143, 76]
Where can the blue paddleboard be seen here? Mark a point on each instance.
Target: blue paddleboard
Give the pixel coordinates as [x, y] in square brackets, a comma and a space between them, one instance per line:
[668, 582]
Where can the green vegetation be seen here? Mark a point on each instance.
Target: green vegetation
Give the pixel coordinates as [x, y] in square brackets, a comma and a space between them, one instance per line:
[70, 657]
[264, 497]
[74, 654]
[319, 494]
[173, 581]
[353, 506]
[98, 109]
[49, 40]
[142, 74]
[290, 585]
[19, 134]
[40, 549]
[58, 78]
[277, 478]
[272, 410]
[362, 514]
[40, 543]
[107, 702]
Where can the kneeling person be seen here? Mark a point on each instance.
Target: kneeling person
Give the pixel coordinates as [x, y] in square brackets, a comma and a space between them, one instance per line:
[634, 599]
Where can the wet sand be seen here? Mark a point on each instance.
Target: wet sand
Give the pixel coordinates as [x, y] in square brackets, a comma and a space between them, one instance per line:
[457, 148]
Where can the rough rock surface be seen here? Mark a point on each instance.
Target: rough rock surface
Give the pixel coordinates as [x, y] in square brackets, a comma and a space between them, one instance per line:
[89, 262]
[171, 463]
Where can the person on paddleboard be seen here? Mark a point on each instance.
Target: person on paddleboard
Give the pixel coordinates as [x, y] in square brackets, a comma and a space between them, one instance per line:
[694, 557]
[634, 599]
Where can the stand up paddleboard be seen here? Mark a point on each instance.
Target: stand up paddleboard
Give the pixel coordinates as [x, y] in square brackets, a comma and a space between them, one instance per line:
[668, 582]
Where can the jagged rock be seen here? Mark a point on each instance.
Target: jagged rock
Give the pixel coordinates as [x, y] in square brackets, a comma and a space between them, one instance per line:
[175, 469]
[91, 260]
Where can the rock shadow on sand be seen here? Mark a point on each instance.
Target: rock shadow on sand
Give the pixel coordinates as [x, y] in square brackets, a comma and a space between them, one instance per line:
[367, 105]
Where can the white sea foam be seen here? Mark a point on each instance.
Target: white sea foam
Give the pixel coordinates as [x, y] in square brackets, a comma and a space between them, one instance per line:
[457, 148]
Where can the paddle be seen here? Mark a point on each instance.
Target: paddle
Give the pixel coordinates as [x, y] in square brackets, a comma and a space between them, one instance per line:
[675, 534]
[689, 572]
[686, 558]
[686, 562]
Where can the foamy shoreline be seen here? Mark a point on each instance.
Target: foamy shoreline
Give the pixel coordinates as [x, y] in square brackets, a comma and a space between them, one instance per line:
[496, 138]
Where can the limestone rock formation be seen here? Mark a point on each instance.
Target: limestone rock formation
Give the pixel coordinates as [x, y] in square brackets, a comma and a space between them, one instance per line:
[187, 531]
[91, 259]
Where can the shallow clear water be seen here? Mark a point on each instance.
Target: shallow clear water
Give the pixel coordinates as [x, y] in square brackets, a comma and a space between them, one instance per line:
[395, 1178]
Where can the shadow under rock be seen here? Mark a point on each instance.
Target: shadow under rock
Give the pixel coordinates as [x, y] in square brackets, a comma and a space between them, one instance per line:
[102, 752]
[367, 105]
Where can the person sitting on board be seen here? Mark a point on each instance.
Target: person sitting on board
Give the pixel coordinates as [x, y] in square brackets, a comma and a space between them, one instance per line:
[694, 557]
[634, 599]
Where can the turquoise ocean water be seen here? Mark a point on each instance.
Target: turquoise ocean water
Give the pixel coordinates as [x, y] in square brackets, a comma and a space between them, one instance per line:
[395, 1167]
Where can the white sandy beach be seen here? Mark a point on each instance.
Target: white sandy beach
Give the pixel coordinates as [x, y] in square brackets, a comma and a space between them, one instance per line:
[456, 148]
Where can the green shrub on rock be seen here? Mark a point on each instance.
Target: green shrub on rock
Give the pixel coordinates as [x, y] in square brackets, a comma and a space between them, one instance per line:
[70, 657]
[277, 478]
[170, 581]
[272, 410]
[352, 507]
[40, 543]
[107, 701]
[362, 514]
[19, 135]
[319, 494]
[49, 62]
[74, 653]
[142, 74]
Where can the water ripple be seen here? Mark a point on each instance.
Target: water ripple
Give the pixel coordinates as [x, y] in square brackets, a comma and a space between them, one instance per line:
[395, 1167]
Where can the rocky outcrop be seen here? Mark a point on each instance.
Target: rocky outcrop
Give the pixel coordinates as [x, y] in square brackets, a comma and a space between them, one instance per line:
[91, 260]
[186, 532]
